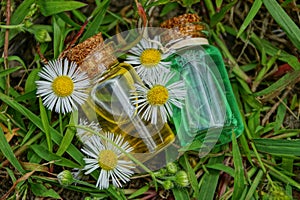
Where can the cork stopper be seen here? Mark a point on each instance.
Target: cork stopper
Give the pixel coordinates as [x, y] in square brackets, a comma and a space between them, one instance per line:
[93, 56]
[186, 25]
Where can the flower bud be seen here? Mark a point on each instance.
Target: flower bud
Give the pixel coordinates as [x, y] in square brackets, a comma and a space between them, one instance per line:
[172, 168]
[167, 184]
[161, 173]
[65, 178]
[42, 35]
[181, 178]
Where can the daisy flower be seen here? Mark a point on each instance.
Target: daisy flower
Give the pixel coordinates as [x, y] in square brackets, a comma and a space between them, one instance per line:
[63, 87]
[157, 97]
[102, 154]
[84, 135]
[147, 58]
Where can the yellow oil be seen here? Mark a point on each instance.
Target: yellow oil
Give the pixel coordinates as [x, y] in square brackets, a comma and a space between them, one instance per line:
[110, 105]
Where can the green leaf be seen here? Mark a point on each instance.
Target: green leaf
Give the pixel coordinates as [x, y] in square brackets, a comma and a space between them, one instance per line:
[68, 137]
[41, 191]
[139, 192]
[46, 125]
[27, 96]
[191, 175]
[181, 194]
[11, 174]
[49, 156]
[55, 135]
[280, 116]
[8, 71]
[58, 38]
[68, 20]
[189, 3]
[114, 194]
[282, 177]
[239, 178]
[253, 11]
[272, 50]
[253, 123]
[280, 147]
[216, 18]
[51, 7]
[254, 184]
[15, 58]
[209, 181]
[168, 7]
[30, 84]
[284, 21]
[17, 17]
[287, 164]
[222, 167]
[9, 154]
[93, 26]
[219, 3]
[279, 85]
[269, 48]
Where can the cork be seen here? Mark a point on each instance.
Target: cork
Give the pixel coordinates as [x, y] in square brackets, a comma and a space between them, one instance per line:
[80, 51]
[185, 25]
[93, 56]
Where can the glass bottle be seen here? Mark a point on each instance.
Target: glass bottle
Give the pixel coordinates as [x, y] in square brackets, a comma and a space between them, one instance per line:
[210, 113]
[109, 103]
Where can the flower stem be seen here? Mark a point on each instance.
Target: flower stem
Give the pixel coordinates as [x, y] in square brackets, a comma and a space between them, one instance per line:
[60, 124]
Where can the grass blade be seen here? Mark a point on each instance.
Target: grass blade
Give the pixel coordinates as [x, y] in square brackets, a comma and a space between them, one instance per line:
[180, 194]
[284, 21]
[269, 48]
[280, 85]
[8, 153]
[55, 135]
[68, 137]
[254, 185]
[221, 167]
[140, 191]
[253, 11]
[8, 71]
[191, 175]
[209, 182]
[17, 17]
[216, 18]
[99, 14]
[53, 7]
[46, 125]
[282, 147]
[239, 178]
[282, 177]
[49, 156]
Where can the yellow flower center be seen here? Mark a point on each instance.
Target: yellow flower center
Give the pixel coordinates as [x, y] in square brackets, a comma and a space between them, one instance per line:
[107, 159]
[63, 86]
[158, 95]
[150, 57]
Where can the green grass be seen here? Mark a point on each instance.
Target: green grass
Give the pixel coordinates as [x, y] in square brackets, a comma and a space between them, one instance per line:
[257, 40]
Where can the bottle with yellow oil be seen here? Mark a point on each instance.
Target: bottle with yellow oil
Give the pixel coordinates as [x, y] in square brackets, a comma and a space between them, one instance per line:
[109, 103]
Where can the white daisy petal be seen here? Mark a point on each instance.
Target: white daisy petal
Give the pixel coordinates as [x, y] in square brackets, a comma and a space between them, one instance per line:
[155, 99]
[69, 93]
[84, 136]
[148, 59]
[95, 147]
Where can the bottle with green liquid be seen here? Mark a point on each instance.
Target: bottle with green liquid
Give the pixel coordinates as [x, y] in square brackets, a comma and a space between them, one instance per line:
[109, 104]
[210, 113]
